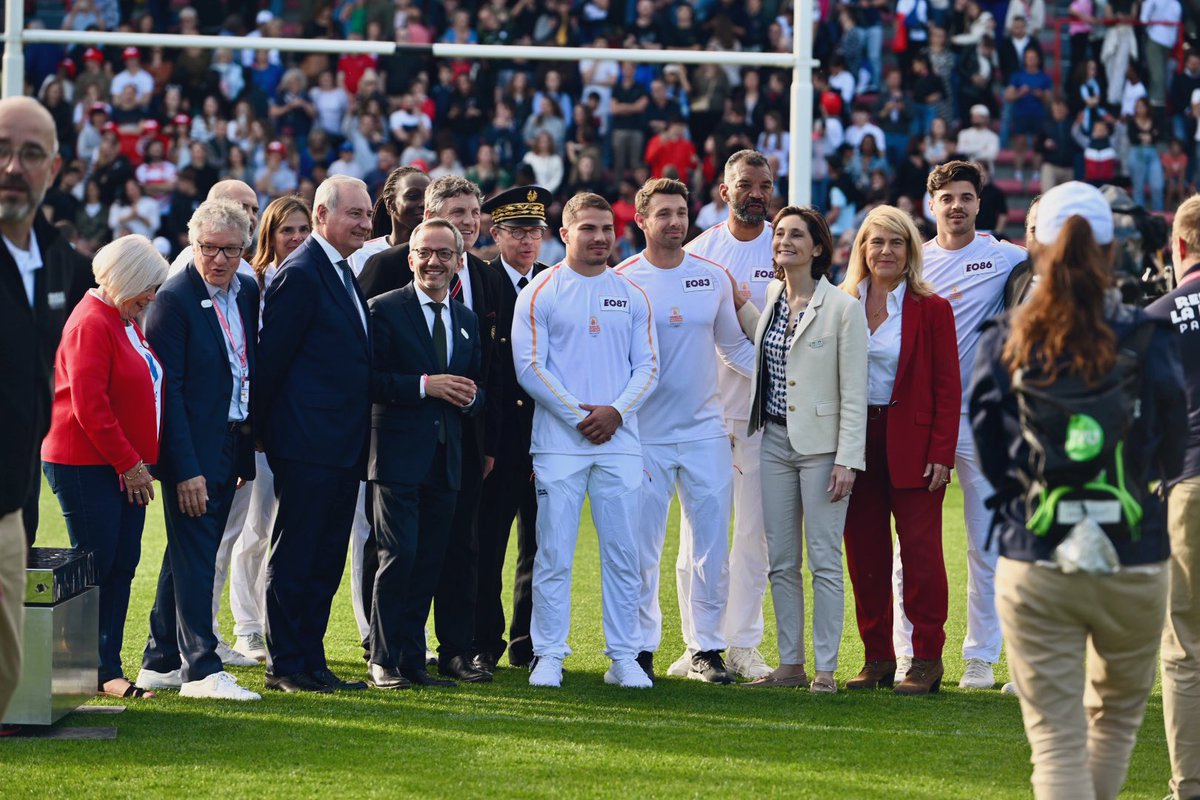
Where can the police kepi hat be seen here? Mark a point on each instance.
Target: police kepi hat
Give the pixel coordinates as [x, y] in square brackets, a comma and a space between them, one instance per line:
[522, 206]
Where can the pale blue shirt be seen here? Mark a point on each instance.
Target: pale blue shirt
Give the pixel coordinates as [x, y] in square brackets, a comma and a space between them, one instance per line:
[226, 300]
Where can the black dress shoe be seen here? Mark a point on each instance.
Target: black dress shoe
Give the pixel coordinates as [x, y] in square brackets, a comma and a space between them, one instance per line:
[461, 669]
[484, 662]
[296, 682]
[327, 678]
[421, 677]
[387, 677]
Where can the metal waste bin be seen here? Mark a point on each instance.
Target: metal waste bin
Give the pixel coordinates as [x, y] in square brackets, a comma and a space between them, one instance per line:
[60, 645]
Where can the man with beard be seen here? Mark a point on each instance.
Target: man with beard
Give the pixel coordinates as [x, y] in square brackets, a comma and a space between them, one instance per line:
[685, 446]
[518, 226]
[742, 245]
[475, 286]
[41, 280]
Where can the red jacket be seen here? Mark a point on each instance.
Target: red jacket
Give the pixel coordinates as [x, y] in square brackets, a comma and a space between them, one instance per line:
[104, 411]
[922, 426]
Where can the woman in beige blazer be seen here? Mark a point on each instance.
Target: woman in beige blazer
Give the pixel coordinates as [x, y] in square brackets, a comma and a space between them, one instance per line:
[810, 394]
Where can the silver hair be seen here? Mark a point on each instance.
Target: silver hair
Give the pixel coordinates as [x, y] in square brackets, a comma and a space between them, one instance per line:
[128, 266]
[441, 222]
[446, 187]
[220, 214]
[329, 192]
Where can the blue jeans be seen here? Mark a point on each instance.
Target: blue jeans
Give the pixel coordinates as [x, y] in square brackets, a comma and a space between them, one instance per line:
[875, 54]
[1145, 167]
[100, 518]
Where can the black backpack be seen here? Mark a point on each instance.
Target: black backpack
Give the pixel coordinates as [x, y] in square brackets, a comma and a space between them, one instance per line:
[1076, 436]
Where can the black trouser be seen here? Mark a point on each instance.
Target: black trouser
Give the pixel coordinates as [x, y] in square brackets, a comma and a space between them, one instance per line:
[181, 629]
[454, 601]
[29, 514]
[412, 525]
[308, 555]
[507, 493]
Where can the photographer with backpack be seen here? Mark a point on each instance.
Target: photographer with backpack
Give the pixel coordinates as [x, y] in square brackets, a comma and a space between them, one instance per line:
[1077, 405]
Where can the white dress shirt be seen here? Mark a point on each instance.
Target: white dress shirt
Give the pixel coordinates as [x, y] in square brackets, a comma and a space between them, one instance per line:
[464, 275]
[515, 276]
[28, 262]
[883, 348]
[335, 257]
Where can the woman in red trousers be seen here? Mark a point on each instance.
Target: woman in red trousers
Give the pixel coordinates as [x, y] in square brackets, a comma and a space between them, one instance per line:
[914, 396]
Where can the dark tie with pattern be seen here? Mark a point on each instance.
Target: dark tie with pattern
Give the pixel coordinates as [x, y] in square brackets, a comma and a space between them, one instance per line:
[455, 286]
[439, 354]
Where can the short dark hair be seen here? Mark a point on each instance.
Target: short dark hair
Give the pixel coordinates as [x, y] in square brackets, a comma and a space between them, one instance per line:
[952, 171]
[818, 229]
[658, 186]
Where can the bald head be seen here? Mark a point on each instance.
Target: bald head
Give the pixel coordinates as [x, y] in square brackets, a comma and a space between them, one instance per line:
[29, 162]
[239, 192]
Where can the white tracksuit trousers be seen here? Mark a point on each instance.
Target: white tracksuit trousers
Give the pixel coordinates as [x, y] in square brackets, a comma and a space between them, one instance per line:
[702, 472]
[248, 567]
[233, 530]
[613, 483]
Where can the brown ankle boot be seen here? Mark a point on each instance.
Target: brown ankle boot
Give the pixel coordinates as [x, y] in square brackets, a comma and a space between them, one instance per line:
[874, 675]
[924, 677]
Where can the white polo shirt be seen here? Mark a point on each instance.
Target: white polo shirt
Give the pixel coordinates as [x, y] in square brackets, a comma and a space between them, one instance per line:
[972, 278]
[750, 265]
[579, 339]
[694, 320]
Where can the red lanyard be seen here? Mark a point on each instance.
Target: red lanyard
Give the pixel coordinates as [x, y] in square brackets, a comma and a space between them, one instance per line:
[241, 354]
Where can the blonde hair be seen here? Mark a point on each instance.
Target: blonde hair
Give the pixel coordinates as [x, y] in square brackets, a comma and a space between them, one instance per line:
[891, 220]
[128, 266]
[1187, 227]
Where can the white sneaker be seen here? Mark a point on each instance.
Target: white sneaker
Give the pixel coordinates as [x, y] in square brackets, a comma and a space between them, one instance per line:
[1010, 688]
[903, 665]
[747, 662]
[548, 672]
[628, 673]
[682, 665]
[218, 686]
[977, 675]
[149, 679]
[252, 646]
[232, 658]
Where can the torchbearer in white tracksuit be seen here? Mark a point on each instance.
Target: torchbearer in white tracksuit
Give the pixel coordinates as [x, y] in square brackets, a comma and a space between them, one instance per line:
[584, 350]
[742, 245]
[684, 443]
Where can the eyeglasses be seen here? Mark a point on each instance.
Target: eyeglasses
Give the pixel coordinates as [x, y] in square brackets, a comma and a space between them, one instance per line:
[521, 234]
[444, 254]
[211, 250]
[29, 157]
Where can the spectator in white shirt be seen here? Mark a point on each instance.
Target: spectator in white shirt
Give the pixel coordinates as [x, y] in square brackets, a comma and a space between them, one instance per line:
[979, 142]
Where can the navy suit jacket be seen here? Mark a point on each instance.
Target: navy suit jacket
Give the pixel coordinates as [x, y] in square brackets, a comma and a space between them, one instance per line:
[404, 425]
[313, 399]
[197, 381]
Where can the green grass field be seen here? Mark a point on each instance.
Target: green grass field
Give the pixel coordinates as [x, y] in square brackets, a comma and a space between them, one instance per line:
[679, 739]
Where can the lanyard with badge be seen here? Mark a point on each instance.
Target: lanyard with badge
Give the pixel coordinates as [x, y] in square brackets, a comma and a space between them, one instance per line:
[244, 395]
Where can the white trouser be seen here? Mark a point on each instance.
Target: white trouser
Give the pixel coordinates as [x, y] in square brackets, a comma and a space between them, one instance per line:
[703, 475]
[748, 562]
[612, 482]
[984, 638]
[233, 529]
[360, 529]
[248, 567]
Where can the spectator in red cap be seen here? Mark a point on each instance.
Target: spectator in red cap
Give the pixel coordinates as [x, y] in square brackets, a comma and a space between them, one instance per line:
[93, 75]
[134, 75]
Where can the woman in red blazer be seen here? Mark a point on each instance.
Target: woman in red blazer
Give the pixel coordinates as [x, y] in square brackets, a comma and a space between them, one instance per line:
[104, 432]
[914, 395]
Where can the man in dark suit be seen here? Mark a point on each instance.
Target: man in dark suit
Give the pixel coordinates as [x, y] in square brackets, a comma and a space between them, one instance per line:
[41, 280]
[202, 327]
[313, 398]
[427, 360]
[477, 287]
[518, 225]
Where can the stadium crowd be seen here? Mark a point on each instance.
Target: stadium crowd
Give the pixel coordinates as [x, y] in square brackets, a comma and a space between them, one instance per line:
[413, 301]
